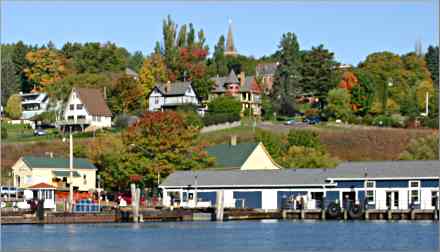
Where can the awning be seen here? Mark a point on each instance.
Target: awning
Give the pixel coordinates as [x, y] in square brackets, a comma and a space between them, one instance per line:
[65, 173]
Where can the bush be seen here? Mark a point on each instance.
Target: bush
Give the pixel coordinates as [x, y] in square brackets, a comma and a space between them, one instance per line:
[367, 119]
[4, 133]
[225, 105]
[212, 119]
[430, 122]
[304, 157]
[425, 148]
[305, 138]
[192, 118]
[385, 121]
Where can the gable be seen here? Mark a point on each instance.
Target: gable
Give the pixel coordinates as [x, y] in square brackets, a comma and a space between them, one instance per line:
[230, 156]
[260, 159]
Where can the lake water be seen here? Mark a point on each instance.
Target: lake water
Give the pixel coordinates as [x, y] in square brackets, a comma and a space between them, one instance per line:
[233, 236]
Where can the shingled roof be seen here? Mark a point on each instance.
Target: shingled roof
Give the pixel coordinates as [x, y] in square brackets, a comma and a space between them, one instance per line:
[93, 101]
[232, 156]
[56, 162]
[175, 88]
[250, 85]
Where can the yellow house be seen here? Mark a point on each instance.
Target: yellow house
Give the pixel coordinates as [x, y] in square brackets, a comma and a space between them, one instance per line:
[243, 156]
[31, 170]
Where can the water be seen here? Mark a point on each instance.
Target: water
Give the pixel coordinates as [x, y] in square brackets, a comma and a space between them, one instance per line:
[234, 236]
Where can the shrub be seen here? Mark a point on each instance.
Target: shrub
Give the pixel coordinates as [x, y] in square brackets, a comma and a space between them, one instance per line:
[385, 121]
[225, 105]
[212, 119]
[425, 148]
[192, 119]
[367, 119]
[304, 157]
[13, 107]
[303, 138]
[430, 122]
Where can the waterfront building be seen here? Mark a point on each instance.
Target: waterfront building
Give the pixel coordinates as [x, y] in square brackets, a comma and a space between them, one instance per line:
[374, 185]
[244, 88]
[42, 191]
[169, 95]
[86, 109]
[242, 156]
[54, 171]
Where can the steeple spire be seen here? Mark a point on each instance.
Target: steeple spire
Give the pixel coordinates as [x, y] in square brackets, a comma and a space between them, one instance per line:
[230, 48]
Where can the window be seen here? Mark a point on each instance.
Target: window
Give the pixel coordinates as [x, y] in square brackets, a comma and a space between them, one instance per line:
[81, 117]
[94, 118]
[434, 199]
[370, 196]
[84, 179]
[156, 100]
[414, 196]
[370, 184]
[414, 183]
[79, 106]
[99, 118]
[72, 106]
[70, 118]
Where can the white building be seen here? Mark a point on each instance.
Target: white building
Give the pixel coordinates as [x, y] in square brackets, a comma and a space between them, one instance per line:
[374, 185]
[171, 95]
[33, 104]
[86, 109]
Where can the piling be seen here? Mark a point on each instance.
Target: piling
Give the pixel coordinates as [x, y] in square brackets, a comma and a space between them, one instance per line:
[284, 214]
[219, 210]
[345, 214]
[302, 213]
[323, 211]
[413, 214]
[389, 214]
[436, 214]
[367, 214]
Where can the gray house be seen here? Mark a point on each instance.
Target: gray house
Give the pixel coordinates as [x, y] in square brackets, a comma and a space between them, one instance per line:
[171, 95]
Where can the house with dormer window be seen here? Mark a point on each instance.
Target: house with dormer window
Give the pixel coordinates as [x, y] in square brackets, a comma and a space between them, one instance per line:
[86, 109]
[169, 95]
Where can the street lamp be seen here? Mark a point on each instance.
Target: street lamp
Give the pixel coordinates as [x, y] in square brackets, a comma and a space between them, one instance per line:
[385, 96]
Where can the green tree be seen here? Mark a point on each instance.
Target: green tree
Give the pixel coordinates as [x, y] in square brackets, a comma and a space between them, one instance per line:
[9, 78]
[287, 76]
[19, 59]
[425, 148]
[305, 138]
[70, 49]
[135, 61]
[13, 106]
[304, 157]
[318, 72]
[225, 105]
[203, 87]
[338, 106]
[273, 143]
[219, 61]
[362, 94]
[97, 58]
[168, 141]
[431, 59]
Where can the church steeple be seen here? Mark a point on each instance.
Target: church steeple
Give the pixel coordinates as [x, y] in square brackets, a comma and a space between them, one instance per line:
[230, 48]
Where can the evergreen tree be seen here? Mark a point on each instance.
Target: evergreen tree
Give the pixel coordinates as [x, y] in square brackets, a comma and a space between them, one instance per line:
[219, 63]
[19, 59]
[287, 76]
[431, 58]
[9, 78]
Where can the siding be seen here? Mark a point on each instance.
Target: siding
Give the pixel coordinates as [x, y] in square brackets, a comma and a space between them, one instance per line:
[207, 196]
[350, 184]
[391, 183]
[429, 183]
[251, 199]
[283, 195]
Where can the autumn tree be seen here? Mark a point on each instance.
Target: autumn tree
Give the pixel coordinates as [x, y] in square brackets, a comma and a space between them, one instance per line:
[168, 142]
[127, 95]
[46, 67]
[287, 76]
[362, 94]
[13, 106]
[153, 70]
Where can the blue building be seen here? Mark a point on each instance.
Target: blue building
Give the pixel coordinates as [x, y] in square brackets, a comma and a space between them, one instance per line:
[375, 185]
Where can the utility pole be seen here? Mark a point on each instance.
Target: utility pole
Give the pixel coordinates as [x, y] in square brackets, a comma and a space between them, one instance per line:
[71, 170]
[427, 104]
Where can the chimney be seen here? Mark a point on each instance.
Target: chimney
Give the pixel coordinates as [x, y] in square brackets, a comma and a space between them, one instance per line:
[233, 140]
[242, 79]
[167, 86]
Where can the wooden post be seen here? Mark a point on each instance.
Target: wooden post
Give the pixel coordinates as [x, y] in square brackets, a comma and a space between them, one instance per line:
[284, 214]
[345, 214]
[323, 214]
[133, 202]
[413, 214]
[302, 213]
[367, 214]
[219, 206]
[389, 214]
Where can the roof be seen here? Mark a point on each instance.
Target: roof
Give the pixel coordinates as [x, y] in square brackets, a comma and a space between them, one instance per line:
[65, 174]
[385, 169]
[94, 102]
[250, 85]
[227, 155]
[266, 69]
[176, 88]
[131, 72]
[41, 186]
[232, 78]
[56, 162]
[305, 176]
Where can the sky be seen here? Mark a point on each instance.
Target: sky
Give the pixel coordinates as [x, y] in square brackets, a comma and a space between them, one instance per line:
[350, 29]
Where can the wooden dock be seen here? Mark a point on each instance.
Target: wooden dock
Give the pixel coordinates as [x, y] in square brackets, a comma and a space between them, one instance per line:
[208, 214]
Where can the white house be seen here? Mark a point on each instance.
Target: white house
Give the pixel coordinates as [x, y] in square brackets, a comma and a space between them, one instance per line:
[33, 104]
[171, 95]
[374, 185]
[86, 109]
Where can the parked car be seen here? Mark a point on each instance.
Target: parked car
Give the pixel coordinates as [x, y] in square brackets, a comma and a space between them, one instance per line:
[290, 122]
[312, 120]
[40, 132]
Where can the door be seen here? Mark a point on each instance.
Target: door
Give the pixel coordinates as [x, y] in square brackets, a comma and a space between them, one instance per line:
[392, 200]
[348, 198]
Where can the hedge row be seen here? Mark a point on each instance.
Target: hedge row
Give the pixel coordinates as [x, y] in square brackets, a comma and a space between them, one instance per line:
[212, 119]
